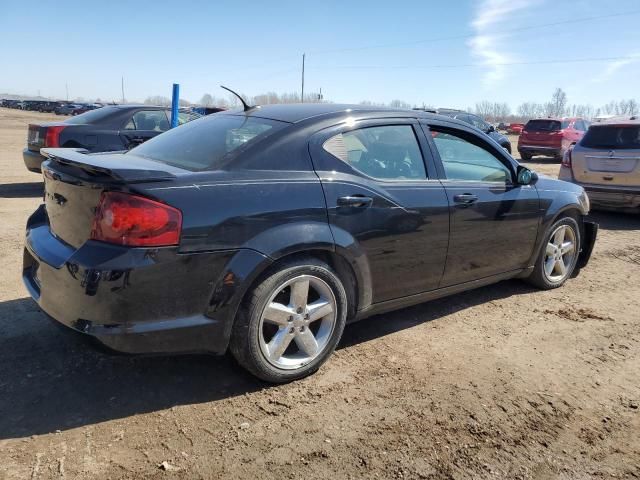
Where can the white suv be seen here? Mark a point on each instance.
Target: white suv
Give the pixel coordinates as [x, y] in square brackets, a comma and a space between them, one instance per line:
[606, 162]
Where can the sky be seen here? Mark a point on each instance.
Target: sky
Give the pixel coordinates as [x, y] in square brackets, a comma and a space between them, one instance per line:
[442, 53]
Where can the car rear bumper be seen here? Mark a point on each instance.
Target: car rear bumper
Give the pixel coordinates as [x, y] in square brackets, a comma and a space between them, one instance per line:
[537, 150]
[607, 197]
[32, 160]
[133, 300]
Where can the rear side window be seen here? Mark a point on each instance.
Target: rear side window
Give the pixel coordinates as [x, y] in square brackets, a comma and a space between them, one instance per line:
[148, 120]
[209, 143]
[544, 126]
[389, 152]
[612, 137]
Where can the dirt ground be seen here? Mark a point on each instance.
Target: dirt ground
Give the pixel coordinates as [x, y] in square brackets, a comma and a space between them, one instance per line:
[501, 382]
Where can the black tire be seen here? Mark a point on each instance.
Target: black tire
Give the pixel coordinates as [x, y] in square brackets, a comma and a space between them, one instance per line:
[246, 334]
[524, 155]
[538, 277]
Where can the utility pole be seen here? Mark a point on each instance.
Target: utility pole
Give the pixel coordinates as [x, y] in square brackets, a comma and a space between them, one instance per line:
[302, 96]
[66, 86]
[122, 84]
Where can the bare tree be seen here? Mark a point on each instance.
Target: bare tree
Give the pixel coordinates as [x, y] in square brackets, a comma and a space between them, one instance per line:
[206, 100]
[558, 105]
[157, 100]
[399, 104]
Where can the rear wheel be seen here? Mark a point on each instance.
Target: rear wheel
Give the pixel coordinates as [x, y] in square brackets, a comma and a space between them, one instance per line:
[558, 255]
[524, 155]
[291, 322]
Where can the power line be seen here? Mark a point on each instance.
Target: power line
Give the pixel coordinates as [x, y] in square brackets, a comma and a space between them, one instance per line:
[471, 35]
[470, 65]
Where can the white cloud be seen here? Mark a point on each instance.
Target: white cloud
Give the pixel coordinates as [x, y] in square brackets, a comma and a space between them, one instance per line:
[488, 46]
[613, 66]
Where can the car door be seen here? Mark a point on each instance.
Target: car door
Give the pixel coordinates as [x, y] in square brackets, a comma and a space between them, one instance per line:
[380, 194]
[143, 125]
[494, 221]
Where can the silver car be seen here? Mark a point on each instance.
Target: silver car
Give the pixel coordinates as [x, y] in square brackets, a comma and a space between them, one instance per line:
[606, 162]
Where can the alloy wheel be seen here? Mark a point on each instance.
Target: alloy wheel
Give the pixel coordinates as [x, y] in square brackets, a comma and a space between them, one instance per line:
[560, 253]
[297, 322]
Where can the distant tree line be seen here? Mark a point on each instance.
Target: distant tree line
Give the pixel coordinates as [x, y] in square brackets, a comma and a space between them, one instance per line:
[558, 106]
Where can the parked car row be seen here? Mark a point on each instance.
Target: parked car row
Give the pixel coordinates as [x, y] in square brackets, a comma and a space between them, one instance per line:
[48, 106]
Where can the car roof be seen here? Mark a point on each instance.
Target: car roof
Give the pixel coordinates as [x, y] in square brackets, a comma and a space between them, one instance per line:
[297, 112]
[557, 119]
[618, 121]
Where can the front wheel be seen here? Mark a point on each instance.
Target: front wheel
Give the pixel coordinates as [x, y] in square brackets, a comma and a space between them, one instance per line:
[291, 322]
[558, 255]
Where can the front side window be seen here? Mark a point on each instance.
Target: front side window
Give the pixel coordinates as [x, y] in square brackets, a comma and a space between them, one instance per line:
[149, 120]
[463, 160]
[388, 152]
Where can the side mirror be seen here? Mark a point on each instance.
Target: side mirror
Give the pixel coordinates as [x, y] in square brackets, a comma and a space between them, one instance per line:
[526, 176]
[491, 129]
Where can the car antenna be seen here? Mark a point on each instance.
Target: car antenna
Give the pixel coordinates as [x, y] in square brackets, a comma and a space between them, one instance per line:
[244, 104]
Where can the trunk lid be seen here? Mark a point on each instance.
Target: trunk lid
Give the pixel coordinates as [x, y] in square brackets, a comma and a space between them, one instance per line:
[542, 133]
[608, 155]
[74, 182]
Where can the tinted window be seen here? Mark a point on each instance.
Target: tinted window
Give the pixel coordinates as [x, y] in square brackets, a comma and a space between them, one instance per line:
[92, 116]
[388, 152]
[463, 160]
[184, 117]
[543, 126]
[612, 137]
[148, 120]
[209, 143]
[579, 125]
[478, 122]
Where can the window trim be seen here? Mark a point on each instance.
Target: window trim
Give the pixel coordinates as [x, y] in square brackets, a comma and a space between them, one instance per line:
[464, 131]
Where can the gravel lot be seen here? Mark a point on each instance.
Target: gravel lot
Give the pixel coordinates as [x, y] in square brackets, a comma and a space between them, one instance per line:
[501, 382]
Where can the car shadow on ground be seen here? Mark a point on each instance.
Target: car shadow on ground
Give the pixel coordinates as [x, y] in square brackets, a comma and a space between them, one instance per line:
[22, 190]
[616, 220]
[51, 379]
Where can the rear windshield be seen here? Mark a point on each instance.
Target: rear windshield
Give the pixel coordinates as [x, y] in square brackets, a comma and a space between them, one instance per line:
[545, 125]
[92, 116]
[612, 137]
[208, 143]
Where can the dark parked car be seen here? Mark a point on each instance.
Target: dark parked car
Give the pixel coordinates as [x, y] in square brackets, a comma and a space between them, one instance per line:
[86, 108]
[479, 123]
[106, 129]
[66, 108]
[265, 231]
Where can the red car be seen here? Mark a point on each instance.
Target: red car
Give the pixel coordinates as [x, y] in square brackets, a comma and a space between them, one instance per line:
[550, 136]
[515, 128]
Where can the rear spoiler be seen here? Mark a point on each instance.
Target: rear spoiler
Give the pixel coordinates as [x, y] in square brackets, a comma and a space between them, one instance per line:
[116, 166]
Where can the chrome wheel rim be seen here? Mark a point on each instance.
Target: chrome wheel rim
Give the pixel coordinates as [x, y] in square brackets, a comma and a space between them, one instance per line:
[297, 322]
[560, 253]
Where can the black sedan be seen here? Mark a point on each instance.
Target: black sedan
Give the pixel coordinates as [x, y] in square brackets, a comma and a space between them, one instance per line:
[265, 231]
[106, 129]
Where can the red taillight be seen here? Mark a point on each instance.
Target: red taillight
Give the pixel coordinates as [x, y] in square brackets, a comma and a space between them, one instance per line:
[52, 137]
[566, 158]
[126, 219]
